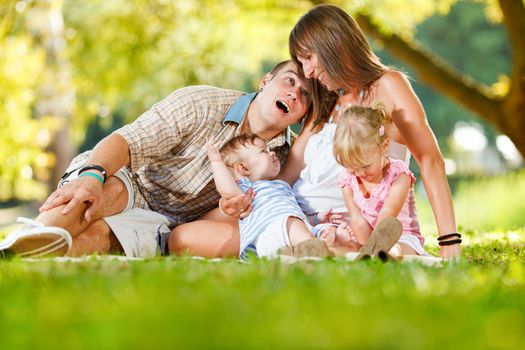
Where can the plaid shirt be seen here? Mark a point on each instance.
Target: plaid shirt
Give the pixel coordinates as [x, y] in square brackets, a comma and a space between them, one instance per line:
[169, 163]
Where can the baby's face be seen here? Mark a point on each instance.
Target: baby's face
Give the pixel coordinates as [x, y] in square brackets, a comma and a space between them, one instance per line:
[262, 163]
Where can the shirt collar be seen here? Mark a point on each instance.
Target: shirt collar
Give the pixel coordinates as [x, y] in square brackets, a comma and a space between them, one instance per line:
[238, 110]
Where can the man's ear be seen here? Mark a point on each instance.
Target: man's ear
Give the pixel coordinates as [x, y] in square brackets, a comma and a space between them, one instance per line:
[241, 169]
[264, 81]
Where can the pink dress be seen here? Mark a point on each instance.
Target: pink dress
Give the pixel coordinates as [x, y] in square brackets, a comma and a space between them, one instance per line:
[370, 207]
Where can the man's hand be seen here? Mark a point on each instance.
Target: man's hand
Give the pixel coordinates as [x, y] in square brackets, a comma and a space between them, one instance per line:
[238, 207]
[84, 189]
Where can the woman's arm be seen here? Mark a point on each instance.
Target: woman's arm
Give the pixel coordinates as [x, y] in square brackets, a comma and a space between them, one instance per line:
[409, 118]
[360, 227]
[295, 161]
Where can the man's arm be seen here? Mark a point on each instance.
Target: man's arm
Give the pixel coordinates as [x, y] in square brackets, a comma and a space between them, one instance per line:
[111, 153]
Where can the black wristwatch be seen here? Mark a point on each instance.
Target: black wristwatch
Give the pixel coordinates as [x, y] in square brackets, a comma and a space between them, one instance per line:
[94, 167]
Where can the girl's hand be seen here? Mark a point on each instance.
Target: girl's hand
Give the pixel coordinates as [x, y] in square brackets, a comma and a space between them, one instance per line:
[238, 207]
[339, 217]
[213, 151]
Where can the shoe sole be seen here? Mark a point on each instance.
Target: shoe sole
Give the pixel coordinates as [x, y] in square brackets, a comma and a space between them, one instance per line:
[38, 245]
[310, 248]
[383, 238]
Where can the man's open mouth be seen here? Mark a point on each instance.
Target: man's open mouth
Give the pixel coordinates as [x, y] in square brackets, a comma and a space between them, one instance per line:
[283, 106]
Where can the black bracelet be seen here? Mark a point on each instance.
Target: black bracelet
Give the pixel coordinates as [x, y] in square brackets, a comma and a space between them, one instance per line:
[451, 242]
[450, 235]
[94, 167]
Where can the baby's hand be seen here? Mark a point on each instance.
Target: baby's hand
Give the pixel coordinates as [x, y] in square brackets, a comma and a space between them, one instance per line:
[213, 151]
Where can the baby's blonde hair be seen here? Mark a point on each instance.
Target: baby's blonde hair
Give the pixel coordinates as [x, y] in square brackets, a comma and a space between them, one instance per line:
[360, 132]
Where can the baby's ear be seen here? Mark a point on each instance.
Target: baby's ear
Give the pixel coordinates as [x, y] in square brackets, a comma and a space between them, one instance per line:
[241, 169]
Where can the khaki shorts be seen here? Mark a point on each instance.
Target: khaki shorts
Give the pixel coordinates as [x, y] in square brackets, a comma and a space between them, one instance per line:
[141, 232]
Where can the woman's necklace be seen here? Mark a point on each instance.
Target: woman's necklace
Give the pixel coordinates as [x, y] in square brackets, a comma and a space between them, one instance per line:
[343, 102]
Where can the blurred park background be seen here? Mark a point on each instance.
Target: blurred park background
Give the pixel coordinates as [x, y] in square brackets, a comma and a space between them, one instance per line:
[72, 71]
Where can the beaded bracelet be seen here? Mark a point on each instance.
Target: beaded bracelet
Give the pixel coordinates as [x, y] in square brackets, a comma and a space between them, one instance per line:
[220, 209]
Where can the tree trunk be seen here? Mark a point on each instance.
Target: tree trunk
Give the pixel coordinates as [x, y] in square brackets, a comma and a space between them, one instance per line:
[56, 95]
[506, 113]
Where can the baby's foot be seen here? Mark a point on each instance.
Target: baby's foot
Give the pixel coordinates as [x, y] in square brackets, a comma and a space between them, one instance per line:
[328, 235]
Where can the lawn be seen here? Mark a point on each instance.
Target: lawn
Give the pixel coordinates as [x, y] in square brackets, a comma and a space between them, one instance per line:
[187, 303]
[478, 302]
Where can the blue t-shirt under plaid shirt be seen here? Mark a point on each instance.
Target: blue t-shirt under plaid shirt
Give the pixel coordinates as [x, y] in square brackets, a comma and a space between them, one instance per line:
[274, 200]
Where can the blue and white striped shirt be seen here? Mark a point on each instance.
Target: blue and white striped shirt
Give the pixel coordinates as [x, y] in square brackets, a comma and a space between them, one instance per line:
[275, 199]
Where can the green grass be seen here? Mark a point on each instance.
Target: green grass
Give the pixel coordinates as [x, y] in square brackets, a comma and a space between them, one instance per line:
[478, 302]
[186, 303]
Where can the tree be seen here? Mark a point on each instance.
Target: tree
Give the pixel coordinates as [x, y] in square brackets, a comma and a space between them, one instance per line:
[501, 105]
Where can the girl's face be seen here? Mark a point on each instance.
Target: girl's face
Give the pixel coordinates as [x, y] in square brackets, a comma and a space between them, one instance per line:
[313, 69]
[373, 171]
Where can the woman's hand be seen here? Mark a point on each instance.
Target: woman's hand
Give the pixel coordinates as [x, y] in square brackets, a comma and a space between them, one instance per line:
[450, 251]
[238, 207]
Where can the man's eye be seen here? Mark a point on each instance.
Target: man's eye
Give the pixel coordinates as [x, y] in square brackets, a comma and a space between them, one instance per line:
[290, 81]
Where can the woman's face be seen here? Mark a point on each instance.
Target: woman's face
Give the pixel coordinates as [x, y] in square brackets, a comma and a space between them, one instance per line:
[313, 69]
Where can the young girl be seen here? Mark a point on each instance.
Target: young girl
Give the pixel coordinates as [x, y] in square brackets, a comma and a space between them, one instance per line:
[374, 185]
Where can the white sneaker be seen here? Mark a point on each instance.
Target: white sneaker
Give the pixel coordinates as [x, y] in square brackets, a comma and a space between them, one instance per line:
[35, 239]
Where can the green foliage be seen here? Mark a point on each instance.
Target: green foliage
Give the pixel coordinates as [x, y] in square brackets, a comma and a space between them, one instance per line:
[483, 204]
[186, 303]
[124, 55]
[22, 138]
[141, 51]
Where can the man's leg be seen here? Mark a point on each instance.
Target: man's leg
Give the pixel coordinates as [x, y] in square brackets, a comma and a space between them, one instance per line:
[212, 236]
[115, 199]
[97, 238]
[52, 232]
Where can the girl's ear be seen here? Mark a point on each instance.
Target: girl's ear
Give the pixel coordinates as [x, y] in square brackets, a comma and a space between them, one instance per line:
[241, 169]
[384, 145]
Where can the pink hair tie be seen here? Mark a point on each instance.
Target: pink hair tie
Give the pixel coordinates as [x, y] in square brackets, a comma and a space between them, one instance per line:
[381, 130]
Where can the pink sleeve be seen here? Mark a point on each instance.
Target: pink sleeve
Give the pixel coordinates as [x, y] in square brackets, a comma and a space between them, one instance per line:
[344, 179]
[399, 167]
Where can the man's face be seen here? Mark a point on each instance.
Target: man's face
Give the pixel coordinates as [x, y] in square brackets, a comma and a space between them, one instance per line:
[284, 99]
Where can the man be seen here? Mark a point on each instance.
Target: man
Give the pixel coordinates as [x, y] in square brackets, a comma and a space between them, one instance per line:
[152, 175]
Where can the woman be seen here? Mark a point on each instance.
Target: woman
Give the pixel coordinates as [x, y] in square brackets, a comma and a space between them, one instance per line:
[330, 47]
